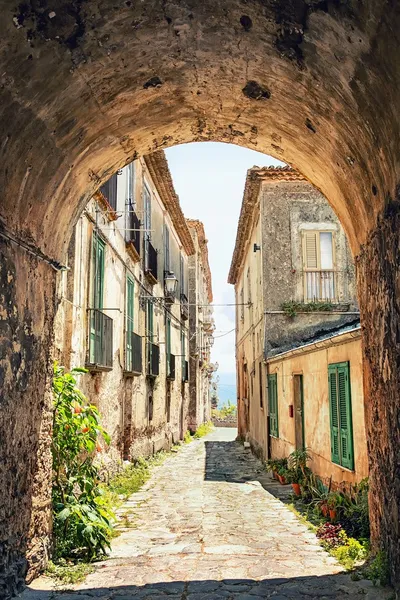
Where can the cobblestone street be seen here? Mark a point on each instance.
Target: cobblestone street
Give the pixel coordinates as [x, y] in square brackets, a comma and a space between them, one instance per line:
[205, 527]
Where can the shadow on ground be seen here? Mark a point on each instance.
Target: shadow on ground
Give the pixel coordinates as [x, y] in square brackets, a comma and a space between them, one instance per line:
[230, 461]
[301, 588]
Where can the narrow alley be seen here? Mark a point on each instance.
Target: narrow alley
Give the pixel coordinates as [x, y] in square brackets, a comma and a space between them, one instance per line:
[206, 527]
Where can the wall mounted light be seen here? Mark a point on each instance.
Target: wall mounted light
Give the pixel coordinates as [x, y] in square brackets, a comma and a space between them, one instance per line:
[171, 283]
[256, 247]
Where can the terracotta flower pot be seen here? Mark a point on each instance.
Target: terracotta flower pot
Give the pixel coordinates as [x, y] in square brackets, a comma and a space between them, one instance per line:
[282, 479]
[296, 489]
[275, 475]
[332, 514]
[324, 509]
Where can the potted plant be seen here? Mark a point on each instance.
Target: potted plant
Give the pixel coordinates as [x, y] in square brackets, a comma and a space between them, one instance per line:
[273, 466]
[335, 499]
[298, 470]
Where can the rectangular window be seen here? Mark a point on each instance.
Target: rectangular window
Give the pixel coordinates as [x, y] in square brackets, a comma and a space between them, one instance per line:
[167, 264]
[182, 276]
[273, 405]
[130, 287]
[147, 212]
[101, 326]
[130, 182]
[319, 267]
[109, 191]
[341, 415]
[98, 263]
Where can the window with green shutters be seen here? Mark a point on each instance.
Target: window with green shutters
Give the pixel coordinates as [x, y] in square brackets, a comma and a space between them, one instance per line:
[342, 449]
[98, 263]
[130, 287]
[273, 405]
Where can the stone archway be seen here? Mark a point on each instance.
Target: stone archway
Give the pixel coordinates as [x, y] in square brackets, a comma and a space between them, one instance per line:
[87, 85]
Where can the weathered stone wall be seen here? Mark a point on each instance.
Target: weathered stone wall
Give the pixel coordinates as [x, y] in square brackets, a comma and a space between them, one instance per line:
[378, 274]
[27, 306]
[287, 210]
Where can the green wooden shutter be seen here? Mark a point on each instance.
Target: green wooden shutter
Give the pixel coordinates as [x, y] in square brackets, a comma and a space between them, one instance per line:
[334, 414]
[345, 416]
[342, 449]
[129, 321]
[273, 405]
[98, 264]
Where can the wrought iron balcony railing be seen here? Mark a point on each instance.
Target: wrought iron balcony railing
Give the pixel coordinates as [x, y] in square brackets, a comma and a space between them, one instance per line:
[320, 286]
[151, 261]
[133, 229]
[171, 366]
[153, 360]
[184, 308]
[100, 340]
[134, 355]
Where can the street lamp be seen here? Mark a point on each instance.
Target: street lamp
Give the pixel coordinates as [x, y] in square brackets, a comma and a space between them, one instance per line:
[171, 284]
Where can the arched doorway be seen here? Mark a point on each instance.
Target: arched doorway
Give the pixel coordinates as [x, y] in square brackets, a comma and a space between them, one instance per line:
[88, 86]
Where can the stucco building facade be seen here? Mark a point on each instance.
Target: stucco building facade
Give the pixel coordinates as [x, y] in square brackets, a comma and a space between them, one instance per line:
[295, 286]
[118, 316]
[201, 326]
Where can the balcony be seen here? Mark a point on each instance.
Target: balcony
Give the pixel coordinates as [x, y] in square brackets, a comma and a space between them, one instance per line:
[184, 308]
[185, 371]
[171, 367]
[150, 262]
[100, 341]
[133, 234]
[134, 357]
[320, 286]
[153, 360]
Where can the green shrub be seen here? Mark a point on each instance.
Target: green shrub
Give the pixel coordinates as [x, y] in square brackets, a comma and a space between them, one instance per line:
[187, 438]
[81, 521]
[378, 570]
[350, 552]
[203, 429]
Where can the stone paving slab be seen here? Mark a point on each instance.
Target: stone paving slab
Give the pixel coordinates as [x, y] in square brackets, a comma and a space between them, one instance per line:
[210, 525]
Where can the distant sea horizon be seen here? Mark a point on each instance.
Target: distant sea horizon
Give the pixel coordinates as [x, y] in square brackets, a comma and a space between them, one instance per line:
[227, 388]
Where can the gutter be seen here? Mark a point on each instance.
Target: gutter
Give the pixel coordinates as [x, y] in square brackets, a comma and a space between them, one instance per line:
[345, 337]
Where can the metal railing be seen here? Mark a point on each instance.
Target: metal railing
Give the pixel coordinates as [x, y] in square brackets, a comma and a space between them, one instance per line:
[185, 370]
[134, 224]
[151, 260]
[109, 191]
[320, 285]
[171, 366]
[100, 339]
[153, 360]
[184, 307]
[134, 356]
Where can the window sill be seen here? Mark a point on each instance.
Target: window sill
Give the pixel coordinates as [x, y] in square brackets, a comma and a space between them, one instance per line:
[97, 368]
[345, 469]
[132, 373]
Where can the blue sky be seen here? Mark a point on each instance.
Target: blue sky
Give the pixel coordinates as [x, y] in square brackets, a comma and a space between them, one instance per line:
[209, 178]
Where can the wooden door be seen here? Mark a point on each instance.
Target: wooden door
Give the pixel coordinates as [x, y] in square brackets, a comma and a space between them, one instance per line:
[298, 406]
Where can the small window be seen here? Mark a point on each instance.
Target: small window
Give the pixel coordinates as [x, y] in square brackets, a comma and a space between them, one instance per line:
[319, 268]
[341, 420]
[273, 405]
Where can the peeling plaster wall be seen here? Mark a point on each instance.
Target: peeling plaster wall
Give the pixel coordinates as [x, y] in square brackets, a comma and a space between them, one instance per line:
[313, 364]
[288, 209]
